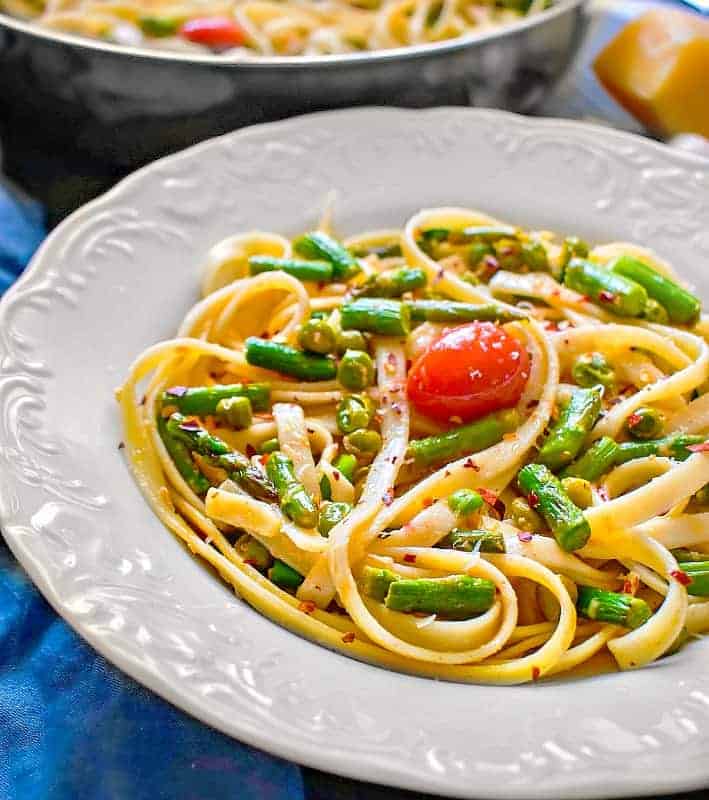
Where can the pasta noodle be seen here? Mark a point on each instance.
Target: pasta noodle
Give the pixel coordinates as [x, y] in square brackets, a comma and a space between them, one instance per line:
[460, 449]
[239, 29]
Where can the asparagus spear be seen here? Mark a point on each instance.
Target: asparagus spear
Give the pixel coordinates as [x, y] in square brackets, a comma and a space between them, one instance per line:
[698, 571]
[330, 515]
[158, 27]
[289, 361]
[375, 582]
[182, 459]
[464, 502]
[296, 501]
[453, 311]
[317, 336]
[573, 247]
[353, 412]
[645, 423]
[203, 400]
[393, 283]
[654, 312]
[190, 433]
[464, 440]
[455, 597]
[356, 370]
[381, 251]
[566, 437]
[284, 576]
[534, 256]
[591, 369]
[469, 541]
[683, 555]
[622, 296]
[385, 317]
[545, 492]
[320, 271]
[596, 461]
[670, 446]
[613, 607]
[681, 306]
[235, 411]
[319, 245]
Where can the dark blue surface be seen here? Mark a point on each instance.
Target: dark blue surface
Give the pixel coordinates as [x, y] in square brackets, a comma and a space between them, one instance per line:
[72, 727]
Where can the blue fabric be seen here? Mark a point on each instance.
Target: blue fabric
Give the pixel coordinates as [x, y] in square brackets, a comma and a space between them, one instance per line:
[72, 727]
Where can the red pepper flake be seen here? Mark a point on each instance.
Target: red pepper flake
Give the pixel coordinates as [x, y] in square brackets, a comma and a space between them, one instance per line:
[410, 558]
[702, 447]
[536, 672]
[603, 493]
[409, 363]
[121, 445]
[550, 325]
[250, 562]
[265, 335]
[427, 502]
[447, 473]
[631, 584]
[307, 607]
[190, 424]
[310, 430]
[556, 293]
[143, 399]
[633, 420]
[524, 536]
[250, 450]
[681, 577]
[177, 391]
[532, 403]
[470, 464]
[349, 637]
[489, 497]
[491, 263]
[394, 459]
[533, 499]
[336, 474]
[388, 497]
[606, 297]
[396, 408]
[264, 459]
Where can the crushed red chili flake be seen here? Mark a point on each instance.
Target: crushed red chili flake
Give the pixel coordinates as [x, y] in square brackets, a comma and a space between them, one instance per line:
[556, 293]
[447, 473]
[681, 577]
[336, 474]
[427, 502]
[264, 459]
[603, 493]
[470, 464]
[550, 325]
[143, 399]
[409, 363]
[410, 558]
[394, 459]
[702, 447]
[633, 420]
[532, 403]
[606, 297]
[631, 583]
[533, 499]
[349, 637]
[307, 607]
[388, 497]
[177, 391]
[489, 497]
[265, 335]
[121, 445]
[250, 450]
[310, 430]
[250, 562]
[524, 536]
[190, 424]
[536, 672]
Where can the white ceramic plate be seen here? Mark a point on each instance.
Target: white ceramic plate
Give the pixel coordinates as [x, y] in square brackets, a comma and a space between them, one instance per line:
[119, 275]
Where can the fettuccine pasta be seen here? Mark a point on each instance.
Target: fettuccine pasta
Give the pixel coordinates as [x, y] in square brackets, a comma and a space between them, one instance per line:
[460, 449]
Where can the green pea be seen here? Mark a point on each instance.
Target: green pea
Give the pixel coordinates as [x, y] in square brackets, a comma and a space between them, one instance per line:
[356, 370]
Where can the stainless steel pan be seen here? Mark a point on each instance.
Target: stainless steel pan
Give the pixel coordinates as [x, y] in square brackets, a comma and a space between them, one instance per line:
[126, 105]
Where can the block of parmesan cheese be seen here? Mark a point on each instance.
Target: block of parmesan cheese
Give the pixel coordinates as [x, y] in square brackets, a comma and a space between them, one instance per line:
[657, 68]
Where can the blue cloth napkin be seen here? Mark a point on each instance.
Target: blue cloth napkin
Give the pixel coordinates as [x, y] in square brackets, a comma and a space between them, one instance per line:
[72, 727]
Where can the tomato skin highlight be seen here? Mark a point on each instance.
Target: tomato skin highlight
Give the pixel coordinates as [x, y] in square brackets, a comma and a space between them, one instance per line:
[467, 372]
[213, 32]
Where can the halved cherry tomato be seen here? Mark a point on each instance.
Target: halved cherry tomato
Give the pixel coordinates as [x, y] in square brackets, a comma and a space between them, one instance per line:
[469, 371]
[213, 32]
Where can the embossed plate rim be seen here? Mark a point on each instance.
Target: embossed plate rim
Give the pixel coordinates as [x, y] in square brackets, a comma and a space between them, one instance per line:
[356, 759]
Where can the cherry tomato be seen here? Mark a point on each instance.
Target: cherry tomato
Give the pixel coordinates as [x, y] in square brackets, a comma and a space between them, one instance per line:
[467, 372]
[213, 32]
